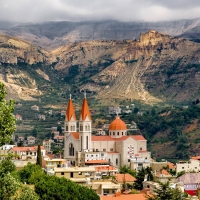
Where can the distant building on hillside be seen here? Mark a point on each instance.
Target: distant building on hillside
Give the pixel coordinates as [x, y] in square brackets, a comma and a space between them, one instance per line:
[30, 140]
[114, 110]
[35, 107]
[18, 117]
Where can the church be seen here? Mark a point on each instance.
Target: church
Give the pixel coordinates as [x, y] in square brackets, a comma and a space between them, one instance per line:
[82, 148]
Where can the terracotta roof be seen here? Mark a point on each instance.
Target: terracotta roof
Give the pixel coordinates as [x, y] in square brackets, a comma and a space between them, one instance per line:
[70, 111]
[109, 138]
[85, 112]
[105, 168]
[195, 158]
[50, 155]
[124, 178]
[75, 135]
[117, 124]
[171, 166]
[163, 172]
[125, 197]
[96, 161]
[112, 152]
[23, 149]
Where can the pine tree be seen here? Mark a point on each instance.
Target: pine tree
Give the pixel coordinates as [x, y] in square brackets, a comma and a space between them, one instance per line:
[39, 156]
[7, 119]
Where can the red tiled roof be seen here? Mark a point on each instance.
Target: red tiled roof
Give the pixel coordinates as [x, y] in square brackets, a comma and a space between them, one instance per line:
[96, 161]
[125, 197]
[105, 168]
[195, 158]
[109, 138]
[112, 152]
[162, 172]
[171, 165]
[50, 155]
[75, 135]
[124, 178]
[23, 149]
[70, 111]
[85, 112]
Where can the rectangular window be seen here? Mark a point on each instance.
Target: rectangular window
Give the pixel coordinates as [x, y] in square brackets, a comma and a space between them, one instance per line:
[104, 149]
[111, 149]
[71, 174]
[62, 173]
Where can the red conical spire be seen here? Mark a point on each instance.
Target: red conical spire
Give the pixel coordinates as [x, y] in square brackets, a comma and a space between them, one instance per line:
[85, 112]
[70, 110]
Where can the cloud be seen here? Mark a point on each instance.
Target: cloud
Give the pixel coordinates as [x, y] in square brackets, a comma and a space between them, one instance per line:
[79, 10]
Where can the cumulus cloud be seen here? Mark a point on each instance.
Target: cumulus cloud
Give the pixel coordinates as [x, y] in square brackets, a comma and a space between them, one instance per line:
[79, 10]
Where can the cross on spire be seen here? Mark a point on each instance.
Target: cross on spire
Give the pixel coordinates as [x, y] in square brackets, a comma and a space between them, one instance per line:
[70, 96]
[85, 94]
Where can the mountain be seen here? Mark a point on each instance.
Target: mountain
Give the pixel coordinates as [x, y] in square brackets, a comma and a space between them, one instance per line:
[155, 68]
[51, 35]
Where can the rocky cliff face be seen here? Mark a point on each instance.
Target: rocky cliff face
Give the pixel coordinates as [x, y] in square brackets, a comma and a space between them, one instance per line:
[51, 35]
[154, 68]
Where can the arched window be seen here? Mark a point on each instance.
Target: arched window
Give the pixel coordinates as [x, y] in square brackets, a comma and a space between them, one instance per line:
[113, 133]
[86, 128]
[70, 128]
[122, 133]
[117, 133]
[116, 161]
[86, 142]
[73, 128]
[81, 127]
[66, 128]
[71, 149]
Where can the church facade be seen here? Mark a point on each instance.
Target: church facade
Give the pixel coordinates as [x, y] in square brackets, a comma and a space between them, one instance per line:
[117, 149]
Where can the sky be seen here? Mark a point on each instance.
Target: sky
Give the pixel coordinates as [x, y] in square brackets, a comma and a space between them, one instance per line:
[81, 10]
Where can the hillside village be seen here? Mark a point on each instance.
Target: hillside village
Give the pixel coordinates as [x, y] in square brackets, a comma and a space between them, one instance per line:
[96, 156]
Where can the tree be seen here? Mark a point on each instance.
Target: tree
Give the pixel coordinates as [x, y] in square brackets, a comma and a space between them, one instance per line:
[39, 156]
[55, 188]
[127, 170]
[6, 166]
[31, 173]
[138, 184]
[26, 193]
[164, 192]
[148, 171]
[7, 119]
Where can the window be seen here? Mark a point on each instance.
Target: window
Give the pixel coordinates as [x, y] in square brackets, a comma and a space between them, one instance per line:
[182, 167]
[71, 174]
[102, 154]
[140, 164]
[80, 173]
[81, 127]
[86, 142]
[113, 133]
[116, 161]
[128, 160]
[140, 148]
[66, 128]
[117, 133]
[62, 173]
[122, 133]
[71, 149]
[104, 149]
[71, 128]
[111, 149]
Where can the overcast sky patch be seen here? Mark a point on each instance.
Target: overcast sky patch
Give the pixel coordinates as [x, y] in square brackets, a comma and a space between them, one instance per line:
[80, 10]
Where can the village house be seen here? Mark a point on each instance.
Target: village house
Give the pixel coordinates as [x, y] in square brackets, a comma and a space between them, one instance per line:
[18, 117]
[35, 107]
[47, 145]
[31, 140]
[25, 153]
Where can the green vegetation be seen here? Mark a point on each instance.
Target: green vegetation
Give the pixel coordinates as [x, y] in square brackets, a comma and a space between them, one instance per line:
[52, 187]
[164, 192]
[7, 120]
